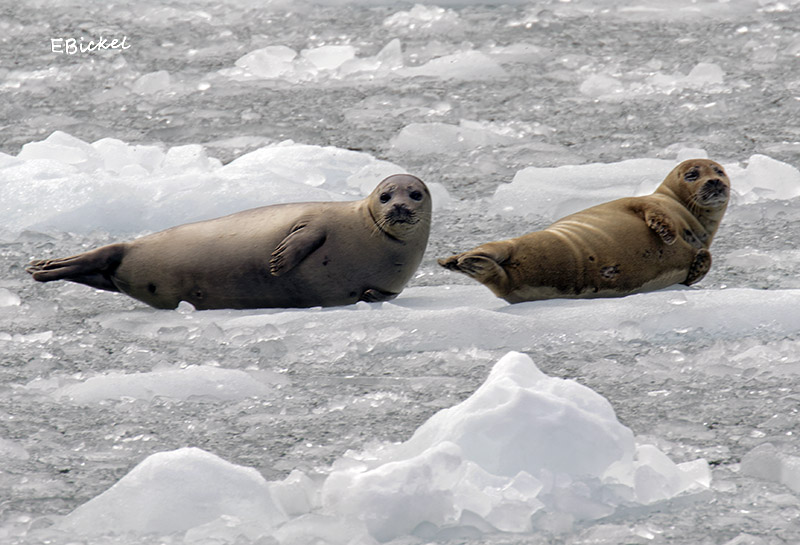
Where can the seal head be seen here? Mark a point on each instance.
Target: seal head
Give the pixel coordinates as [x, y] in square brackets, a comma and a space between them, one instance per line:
[400, 205]
[703, 187]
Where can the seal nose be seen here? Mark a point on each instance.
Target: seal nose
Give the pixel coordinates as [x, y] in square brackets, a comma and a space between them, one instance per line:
[400, 213]
[714, 191]
[717, 186]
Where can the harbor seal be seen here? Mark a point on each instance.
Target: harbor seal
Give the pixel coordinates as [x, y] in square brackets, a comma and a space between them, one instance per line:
[626, 246]
[285, 255]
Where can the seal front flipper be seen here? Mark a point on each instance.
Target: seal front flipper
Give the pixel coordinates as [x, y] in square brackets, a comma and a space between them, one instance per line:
[699, 267]
[304, 238]
[377, 296]
[94, 268]
[661, 224]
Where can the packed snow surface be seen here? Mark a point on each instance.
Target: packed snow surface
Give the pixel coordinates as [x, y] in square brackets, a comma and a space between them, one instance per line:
[445, 415]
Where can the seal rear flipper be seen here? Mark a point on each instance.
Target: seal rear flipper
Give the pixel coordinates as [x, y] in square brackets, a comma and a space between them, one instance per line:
[699, 267]
[298, 244]
[484, 264]
[377, 296]
[94, 268]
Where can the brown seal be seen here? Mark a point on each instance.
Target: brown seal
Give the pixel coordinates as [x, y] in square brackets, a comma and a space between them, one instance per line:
[286, 255]
[625, 246]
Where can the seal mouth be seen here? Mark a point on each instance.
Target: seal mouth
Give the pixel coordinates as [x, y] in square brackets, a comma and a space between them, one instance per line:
[714, 193]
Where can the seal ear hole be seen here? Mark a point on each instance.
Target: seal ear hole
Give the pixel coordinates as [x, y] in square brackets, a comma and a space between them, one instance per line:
[151, 288]
[691, 175]
[416, 195]
[385, 197]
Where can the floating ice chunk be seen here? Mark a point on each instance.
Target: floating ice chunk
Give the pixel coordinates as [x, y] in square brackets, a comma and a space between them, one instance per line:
[598, 85]
[658, 478]
[705, 73]
[273, 62]
[187, 158]
[62, 148]
[746, 539]
[522, 52]
[766, 462]
[390, 58]
[315, 64]
[690, 153]
[330, 168]
[426, 138]
[465, 65]
[296, 494]
[9, 299]
[341, 63]
[422, 18]
[12, 450]
[387, 61]
[64, 183]
[120, 157]
[151, 83]
[201, 381]
[765, 179]
[329, 57]
[556, 192]
[173, 492]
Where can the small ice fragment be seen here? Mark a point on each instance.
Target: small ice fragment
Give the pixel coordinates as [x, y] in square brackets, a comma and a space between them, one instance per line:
[151, 83]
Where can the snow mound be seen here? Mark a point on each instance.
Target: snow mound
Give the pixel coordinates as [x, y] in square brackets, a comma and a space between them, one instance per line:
[523, 442]
[174, 492]
[66, 184]
[195, 381]
[553, 193]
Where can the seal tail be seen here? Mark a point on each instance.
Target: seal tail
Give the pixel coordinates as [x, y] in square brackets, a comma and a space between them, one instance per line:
[94, 268]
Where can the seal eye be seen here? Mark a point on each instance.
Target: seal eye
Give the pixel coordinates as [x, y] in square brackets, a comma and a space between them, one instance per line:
[719, 171]
[692, 175]
[416, 195]
[385, 197]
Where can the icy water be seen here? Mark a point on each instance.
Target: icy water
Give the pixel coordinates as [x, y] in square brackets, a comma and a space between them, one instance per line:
[706, 373]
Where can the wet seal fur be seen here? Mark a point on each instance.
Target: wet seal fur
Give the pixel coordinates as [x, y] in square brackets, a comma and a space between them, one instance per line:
[285, 255]
[625, 246]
